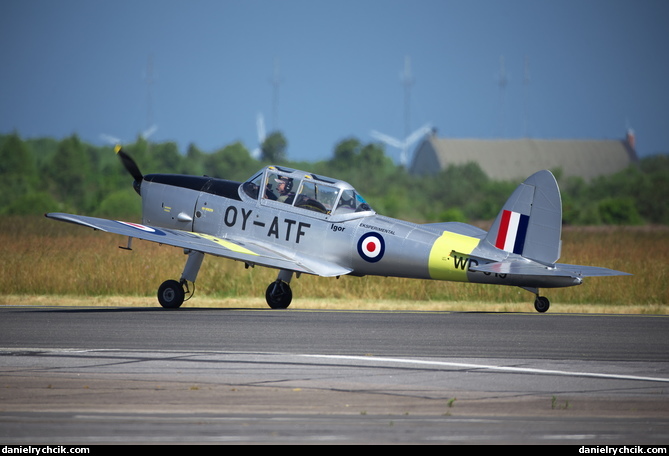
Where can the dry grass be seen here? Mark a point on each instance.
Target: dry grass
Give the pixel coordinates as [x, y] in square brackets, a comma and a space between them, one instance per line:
[45, 262]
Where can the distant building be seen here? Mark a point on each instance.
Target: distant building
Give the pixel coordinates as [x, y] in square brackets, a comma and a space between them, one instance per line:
[516, 159]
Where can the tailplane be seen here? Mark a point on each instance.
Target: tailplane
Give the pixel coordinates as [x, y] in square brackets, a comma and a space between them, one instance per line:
[530, 223]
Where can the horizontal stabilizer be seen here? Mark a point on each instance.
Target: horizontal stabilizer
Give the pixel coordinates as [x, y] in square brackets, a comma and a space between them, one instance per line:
[590, 271]
[520, 268]
[531, 268]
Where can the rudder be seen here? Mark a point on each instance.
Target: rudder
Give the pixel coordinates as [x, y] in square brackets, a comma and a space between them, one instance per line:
[530, 223]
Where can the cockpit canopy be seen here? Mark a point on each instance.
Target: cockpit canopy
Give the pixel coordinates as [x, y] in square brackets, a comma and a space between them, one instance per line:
[299, 189]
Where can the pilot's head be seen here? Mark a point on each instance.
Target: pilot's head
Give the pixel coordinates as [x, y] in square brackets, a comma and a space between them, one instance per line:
[284, 184]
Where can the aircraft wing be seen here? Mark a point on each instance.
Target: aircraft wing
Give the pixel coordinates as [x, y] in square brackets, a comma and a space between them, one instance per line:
[236, 249]
[532, 268]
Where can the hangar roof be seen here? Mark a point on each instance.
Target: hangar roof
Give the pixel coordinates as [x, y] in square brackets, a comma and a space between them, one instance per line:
[514, 159]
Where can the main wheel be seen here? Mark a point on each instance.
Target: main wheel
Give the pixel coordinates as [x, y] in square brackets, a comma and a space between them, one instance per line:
[541, 304]
[171, 294]
[278, 295]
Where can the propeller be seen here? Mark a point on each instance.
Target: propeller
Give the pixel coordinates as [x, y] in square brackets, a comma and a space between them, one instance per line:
[131, 167]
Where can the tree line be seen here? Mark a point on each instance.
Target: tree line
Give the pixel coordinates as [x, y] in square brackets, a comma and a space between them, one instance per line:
[48, 175]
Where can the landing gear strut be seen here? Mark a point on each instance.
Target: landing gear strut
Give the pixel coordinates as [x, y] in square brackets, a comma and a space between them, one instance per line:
[279, 294]
[171, 293]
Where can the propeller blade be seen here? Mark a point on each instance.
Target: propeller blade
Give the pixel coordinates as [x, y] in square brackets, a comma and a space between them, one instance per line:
[129, 165]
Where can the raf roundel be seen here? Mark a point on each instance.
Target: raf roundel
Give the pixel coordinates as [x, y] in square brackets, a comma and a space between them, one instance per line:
[146, 229]
[371, 247]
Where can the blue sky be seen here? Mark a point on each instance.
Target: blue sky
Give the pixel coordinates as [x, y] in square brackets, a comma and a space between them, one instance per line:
[596, 67]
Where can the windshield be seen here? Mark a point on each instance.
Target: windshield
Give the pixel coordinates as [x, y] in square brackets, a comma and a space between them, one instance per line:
[350, 202]
[316, 197]
[252, 186]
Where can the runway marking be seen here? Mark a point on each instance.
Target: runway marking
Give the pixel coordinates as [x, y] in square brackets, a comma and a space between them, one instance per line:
[375, 359]
[524, 370]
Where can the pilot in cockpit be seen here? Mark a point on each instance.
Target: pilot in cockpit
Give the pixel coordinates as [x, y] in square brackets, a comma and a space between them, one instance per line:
[284, 187]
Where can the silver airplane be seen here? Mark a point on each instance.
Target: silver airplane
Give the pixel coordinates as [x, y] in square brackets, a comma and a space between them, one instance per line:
[302, 223]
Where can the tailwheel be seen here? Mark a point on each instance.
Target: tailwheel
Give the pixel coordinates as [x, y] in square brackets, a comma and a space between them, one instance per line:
[541, 304]
[279, 295]
[171, 294]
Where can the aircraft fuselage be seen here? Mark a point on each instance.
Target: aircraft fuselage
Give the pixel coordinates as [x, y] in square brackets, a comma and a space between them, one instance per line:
[368, 244]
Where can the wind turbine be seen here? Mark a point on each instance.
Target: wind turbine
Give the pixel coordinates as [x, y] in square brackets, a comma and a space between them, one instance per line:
[110, 139]
[152, 128]
[260, 128]
[405, 144]
[145, 135]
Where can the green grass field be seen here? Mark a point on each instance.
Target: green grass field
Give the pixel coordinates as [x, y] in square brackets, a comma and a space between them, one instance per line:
[52, 263]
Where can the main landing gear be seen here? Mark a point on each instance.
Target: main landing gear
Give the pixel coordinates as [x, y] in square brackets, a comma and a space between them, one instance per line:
[278, 294]
[171, 293]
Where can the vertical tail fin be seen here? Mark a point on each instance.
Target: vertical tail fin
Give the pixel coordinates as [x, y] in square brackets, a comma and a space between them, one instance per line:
[530, 223]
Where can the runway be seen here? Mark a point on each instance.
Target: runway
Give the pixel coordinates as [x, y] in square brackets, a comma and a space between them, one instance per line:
[195, 375]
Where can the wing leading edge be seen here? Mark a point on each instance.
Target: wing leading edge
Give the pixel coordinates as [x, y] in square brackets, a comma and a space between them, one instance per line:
[228, 248]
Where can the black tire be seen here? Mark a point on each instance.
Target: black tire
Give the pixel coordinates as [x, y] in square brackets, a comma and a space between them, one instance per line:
[278, 295]
[541, 304]
[171, 294]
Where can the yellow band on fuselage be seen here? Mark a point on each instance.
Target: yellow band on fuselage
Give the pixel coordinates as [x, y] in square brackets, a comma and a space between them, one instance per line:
[227, 244]
[444, 266]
